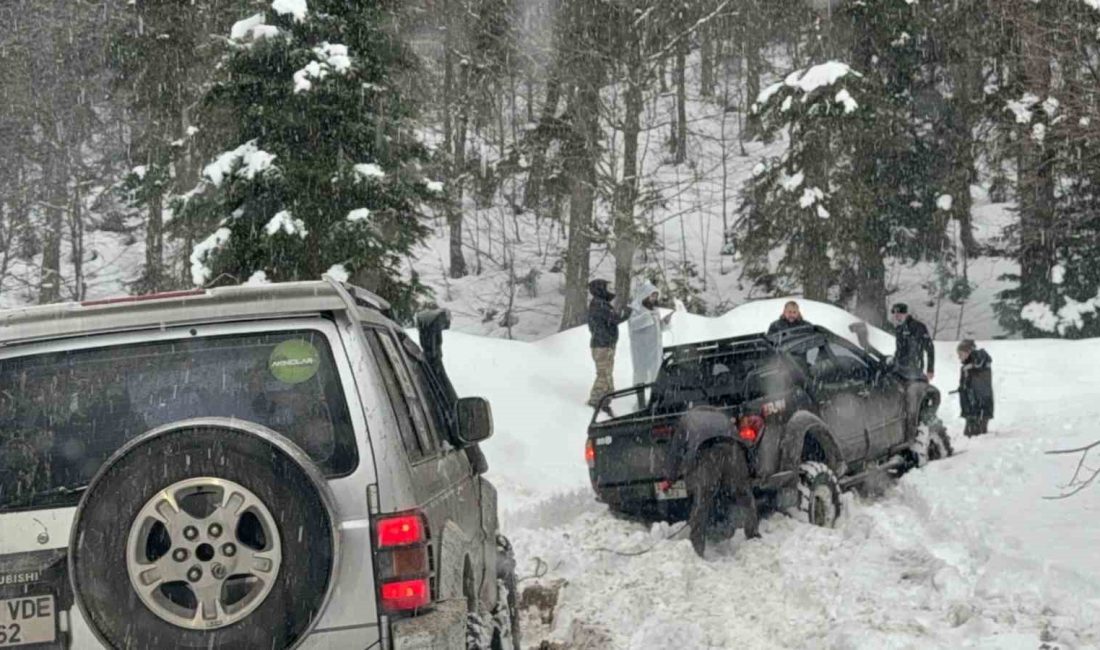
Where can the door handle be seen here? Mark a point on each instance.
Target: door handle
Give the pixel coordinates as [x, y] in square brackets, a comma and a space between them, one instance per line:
[864, 393]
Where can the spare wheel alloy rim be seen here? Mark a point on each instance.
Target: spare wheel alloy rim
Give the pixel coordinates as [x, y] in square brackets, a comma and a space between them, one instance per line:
[203, 553]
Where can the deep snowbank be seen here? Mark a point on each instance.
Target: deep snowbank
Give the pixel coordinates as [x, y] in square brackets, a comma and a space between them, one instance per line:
[964, 553]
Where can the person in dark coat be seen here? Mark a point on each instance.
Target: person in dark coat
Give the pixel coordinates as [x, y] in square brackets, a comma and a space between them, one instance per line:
[603, 324]
[791, 318]
[912, 343]
[706, 452]
[975, 388]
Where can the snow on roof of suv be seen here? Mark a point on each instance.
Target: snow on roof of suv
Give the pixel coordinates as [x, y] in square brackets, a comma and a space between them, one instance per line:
[63, 320]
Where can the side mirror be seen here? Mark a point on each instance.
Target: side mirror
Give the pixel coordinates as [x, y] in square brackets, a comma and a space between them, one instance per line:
[475, 420]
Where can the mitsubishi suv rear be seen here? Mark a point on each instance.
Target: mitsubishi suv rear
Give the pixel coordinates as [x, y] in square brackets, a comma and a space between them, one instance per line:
[250, 467]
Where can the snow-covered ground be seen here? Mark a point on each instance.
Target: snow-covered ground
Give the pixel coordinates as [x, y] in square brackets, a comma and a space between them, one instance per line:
[965, 553]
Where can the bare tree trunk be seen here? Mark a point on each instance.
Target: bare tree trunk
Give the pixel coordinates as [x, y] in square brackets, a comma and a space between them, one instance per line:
[535, 178]
[707, 50]
[680, 141]
[1036, 183]
[76, 241]
[626, 193]
[455, 138]
[49, 288]
[580, 163]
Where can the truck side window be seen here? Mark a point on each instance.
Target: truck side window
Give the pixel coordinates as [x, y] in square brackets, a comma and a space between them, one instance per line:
[415, 434]
[851, 366]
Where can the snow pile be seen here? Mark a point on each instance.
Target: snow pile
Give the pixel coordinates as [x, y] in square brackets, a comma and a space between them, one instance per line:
[360, 214]
[1069, 317]
[284, 222]
[369, 171]
[295, 8]
[809, 80]
[338, 272]
[246, 161]
[252, 27]
[257, 279]
[330, 58]
[1021, 108]
[962, 553]
[200, 273]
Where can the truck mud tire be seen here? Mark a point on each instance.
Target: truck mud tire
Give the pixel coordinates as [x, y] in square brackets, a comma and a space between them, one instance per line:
[206, 534]
[818, 495]
[932, 443]
[498, 629]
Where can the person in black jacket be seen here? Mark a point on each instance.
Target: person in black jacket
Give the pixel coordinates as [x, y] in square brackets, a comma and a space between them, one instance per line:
[912, 343]
[603, 324]
[705, 450]
[975, 388]
[791, 318]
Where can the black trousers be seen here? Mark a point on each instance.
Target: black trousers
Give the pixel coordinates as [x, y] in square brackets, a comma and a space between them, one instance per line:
[720, 476]
[976, 426]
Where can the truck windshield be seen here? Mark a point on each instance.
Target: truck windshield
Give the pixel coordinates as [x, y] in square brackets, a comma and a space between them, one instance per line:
[63, 414]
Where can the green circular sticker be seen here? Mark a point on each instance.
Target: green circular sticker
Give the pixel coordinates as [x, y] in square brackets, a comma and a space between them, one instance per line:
[293, 362]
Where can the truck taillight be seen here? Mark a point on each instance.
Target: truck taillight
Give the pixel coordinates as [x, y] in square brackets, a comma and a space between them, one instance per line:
[590, 453]
[664, 431]
[403, 562]
[750, 427]
[406, 595]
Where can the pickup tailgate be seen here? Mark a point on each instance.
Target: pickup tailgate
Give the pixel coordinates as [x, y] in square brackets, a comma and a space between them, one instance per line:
[630, 452]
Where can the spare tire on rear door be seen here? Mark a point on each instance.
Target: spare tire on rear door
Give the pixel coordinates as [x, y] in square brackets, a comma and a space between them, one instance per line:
[204, 534]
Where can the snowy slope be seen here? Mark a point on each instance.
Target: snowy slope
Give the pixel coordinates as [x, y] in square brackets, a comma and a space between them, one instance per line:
[965, 553]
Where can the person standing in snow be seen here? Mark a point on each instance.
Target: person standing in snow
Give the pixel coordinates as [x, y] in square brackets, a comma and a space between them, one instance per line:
[790, 318]
[975, 388]
[705, 450]
[646, 326]
[912, 343]
[603, 324]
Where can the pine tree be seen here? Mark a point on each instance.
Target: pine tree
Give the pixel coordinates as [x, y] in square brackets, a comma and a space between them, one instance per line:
[327, 176]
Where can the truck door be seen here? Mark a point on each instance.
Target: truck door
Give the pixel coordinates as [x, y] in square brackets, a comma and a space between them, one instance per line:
[881, 403]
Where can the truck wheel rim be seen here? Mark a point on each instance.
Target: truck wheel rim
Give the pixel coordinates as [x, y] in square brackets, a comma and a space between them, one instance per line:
[203, 553]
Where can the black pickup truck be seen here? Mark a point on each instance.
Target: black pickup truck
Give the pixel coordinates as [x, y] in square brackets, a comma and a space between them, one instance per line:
[817, 414]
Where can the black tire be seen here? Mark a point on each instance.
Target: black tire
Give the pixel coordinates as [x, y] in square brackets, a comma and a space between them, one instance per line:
[932, 443]
[291, 489]
[818, 495]
[499, 628]
[939, 443]
[506, 632]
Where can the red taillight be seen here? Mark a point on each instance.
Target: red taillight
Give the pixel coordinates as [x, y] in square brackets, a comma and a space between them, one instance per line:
[400, 531]
[403, 561]
[663, 431]
[590, 453]
[750, 427]
[167, 295]
[405, 595]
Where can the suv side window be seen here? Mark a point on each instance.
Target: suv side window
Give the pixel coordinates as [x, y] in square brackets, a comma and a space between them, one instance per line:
[415, 433]
[433, 400]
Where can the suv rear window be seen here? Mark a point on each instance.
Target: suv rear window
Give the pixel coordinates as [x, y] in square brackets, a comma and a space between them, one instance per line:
[63, 414]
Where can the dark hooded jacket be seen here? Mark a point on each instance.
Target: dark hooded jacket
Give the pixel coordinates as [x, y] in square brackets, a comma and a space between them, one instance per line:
[976, 386]
[696, 427]
[603, 318]
[782, 325]
[912, 344]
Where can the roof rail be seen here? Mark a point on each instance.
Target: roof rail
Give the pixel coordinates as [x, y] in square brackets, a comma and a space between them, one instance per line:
[358, 297]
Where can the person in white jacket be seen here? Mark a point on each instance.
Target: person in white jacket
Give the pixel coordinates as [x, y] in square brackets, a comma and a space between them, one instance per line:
[646, 326]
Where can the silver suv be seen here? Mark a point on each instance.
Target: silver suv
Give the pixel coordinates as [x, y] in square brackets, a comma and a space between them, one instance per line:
[250, 467]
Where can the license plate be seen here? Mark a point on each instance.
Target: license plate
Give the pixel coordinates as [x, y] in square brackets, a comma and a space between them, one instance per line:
[27, 620]
[677, 491]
